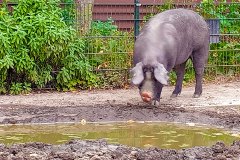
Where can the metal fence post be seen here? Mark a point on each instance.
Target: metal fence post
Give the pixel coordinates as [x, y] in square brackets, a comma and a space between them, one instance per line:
[136, 18]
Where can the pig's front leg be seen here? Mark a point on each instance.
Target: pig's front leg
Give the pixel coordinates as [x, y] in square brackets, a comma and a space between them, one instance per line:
[158, 91]
[180, 70]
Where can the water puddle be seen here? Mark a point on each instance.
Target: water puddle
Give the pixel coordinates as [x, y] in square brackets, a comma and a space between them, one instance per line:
[148, 134]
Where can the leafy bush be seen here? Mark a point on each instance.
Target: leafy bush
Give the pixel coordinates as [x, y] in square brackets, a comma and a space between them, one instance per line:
[224, 11]
[110, 51]
[68, 11]
[34, 43]
[224, 54]
[18, 88]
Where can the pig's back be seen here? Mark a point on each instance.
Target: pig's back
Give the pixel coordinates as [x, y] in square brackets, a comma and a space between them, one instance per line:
[190, 26]
[171, 35]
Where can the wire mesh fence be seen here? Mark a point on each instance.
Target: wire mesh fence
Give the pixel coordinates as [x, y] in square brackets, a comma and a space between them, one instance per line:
[110, 45]
[108, 26]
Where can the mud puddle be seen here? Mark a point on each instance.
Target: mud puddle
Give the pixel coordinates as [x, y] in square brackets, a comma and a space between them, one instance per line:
[135, 134]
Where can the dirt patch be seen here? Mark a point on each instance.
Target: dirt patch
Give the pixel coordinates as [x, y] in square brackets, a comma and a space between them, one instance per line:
[219, 106]
[100, 150]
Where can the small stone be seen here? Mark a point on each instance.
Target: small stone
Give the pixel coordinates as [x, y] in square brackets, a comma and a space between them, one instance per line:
[89, 153]
[191, 124]
[83, 121]
[133, 153]
[96, 157]
[36, 156]
[33, 155]
[130, 121]
[100, 153]
[219, 147]
[221, 157]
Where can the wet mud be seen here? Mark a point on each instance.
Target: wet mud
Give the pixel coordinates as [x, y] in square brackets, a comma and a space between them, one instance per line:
[218, 106]
[101, 150]
[217, 116]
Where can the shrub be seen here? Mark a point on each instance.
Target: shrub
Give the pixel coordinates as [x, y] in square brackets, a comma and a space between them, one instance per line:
[68, 12]
[109, 52]
[224, 54]
[35, 42]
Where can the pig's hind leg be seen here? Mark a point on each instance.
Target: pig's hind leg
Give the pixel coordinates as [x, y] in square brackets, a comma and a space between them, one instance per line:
[199, 59]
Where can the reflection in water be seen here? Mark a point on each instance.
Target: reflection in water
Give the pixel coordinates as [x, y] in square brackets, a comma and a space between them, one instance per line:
[163, 135]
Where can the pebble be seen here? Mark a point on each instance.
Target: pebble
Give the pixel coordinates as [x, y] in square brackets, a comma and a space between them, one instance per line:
[133, 153]
[96, 157]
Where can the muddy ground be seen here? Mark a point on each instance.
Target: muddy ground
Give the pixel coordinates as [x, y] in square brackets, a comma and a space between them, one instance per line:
[218, 106]
[100, 150]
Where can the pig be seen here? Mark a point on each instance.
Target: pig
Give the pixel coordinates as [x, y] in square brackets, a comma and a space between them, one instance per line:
[165, 43]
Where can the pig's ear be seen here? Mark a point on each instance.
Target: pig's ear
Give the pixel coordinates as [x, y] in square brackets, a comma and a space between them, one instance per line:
[137, 74]
[161, 74]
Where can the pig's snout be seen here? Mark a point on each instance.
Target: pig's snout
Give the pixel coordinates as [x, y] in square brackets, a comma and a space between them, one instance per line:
[146, 96]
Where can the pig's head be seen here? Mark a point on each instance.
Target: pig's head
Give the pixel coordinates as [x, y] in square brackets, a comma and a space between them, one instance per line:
[150, 80]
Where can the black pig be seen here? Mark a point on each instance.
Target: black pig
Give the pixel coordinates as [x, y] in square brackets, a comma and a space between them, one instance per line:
[166, 42]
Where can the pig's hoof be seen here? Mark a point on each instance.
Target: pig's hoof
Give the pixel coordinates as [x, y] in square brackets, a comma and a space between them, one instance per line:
[174, 95]
[196, 95]
[155, 103]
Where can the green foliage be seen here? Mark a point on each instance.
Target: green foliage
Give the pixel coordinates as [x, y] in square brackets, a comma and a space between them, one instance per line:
[113, 79]
[16, 88]
[100, 28]
[75, 65]
[163, 7]
[26, 88]
[224, 11]
[34, 43]
[109, 48]
[68, 11]
[20, 88]
[3, 89]
[225, 52]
